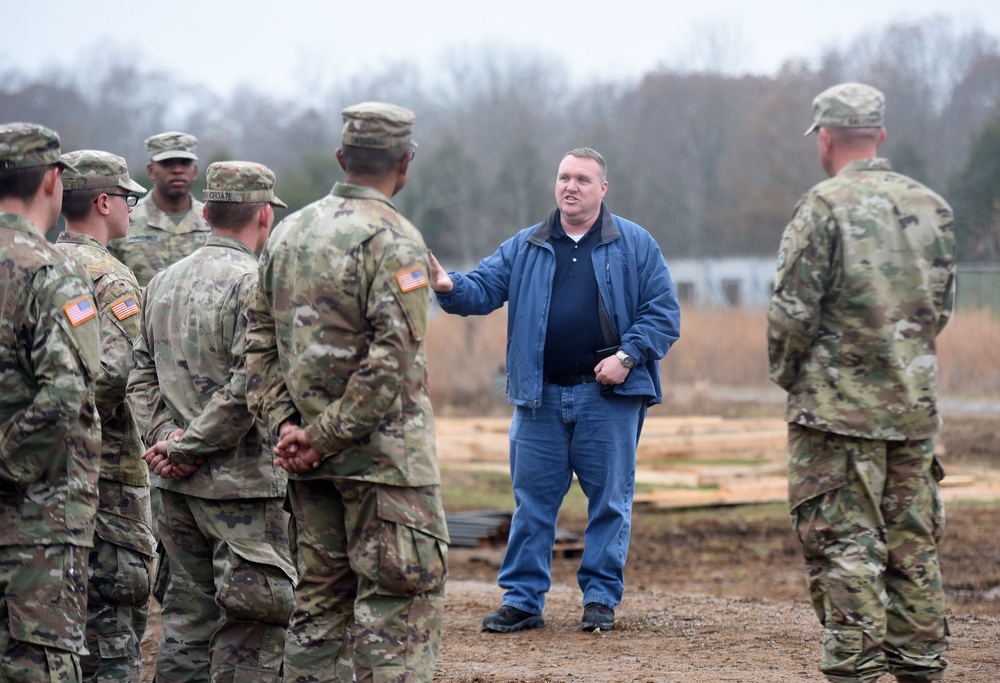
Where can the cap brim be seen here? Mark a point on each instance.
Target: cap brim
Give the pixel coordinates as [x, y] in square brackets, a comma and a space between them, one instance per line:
[173, 155]
[812, 129]
[278, 203]
[131, 186]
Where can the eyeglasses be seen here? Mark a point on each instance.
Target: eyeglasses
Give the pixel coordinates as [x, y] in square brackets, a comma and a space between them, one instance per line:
[130, 199]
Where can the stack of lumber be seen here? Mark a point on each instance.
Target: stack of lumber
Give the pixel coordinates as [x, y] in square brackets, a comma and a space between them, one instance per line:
[687, 461]
[472, 440]
[668, 439]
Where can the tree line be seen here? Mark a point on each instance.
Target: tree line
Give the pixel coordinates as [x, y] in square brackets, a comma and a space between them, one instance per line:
[711, 163]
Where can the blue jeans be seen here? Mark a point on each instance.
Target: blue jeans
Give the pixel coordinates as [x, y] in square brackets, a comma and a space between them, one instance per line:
[575, 430]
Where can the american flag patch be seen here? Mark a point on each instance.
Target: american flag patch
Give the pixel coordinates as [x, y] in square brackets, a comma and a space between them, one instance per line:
[124, 308]
[80, 311]
[411, 279]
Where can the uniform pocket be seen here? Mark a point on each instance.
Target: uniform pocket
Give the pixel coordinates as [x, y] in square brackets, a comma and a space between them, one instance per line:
[117, 645]
[259, 585]
[816, 464]
[52, 612]
[120, 575]
[412, 541]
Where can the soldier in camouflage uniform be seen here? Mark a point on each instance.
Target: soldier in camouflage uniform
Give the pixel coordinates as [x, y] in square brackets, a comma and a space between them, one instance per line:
[50, 439]
[865, 283]
[98, 195]
[231, 585]
[336, 367]
[168, 224]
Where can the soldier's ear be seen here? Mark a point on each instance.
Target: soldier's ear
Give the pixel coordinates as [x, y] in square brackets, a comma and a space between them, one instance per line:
[265, 218]
[50, 179]
[340, 159]
[204, 212]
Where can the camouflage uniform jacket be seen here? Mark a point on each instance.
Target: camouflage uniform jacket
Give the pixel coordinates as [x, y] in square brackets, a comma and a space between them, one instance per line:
[118, 297]
[190, 374]
[336, 338]
[155, 242]
[865, 282]
[50, 437]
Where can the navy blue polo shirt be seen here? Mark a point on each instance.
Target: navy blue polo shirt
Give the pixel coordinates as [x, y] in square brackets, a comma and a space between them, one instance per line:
[573, 331]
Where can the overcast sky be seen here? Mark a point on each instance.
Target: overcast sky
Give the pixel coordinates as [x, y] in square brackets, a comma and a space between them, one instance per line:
[286, 46]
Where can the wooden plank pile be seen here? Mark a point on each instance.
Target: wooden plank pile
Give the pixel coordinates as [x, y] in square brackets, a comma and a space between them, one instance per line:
[688, 461]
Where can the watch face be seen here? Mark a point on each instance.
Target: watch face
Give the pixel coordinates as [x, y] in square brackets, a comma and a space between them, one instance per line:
[625, 359]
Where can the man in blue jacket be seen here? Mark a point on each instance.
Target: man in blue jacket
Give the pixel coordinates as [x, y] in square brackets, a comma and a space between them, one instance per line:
[592, 310]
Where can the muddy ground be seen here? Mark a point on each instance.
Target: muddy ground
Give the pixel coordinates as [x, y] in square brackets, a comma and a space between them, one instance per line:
[714, 595]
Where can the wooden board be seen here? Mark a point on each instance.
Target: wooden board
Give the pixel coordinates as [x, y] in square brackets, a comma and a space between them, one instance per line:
[691, 461]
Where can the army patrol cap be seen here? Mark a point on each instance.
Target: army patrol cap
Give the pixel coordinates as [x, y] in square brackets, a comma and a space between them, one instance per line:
[23, 145]
[171, 145]
[90, 169]
[848, 105]
[378, 125]
[241, 181]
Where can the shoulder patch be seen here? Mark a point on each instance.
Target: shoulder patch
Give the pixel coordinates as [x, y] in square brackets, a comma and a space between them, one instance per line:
[125, 307]
[412, 278]
[80, 311]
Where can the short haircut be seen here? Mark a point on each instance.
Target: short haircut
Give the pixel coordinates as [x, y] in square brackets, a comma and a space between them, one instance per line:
[849, 136]
[76, 204]
[231, 215]
[588, 153]
[22, 183]
[372, 162]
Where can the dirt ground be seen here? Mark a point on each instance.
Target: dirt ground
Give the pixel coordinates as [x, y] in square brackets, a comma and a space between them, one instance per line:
[712, 595]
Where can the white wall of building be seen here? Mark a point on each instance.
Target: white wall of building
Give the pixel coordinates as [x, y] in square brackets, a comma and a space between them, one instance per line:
[722, 282]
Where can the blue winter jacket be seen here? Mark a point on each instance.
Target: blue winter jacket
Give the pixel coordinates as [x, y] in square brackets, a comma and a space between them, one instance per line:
[636, 287]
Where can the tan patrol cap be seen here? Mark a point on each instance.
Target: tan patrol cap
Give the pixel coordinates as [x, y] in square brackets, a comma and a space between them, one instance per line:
[378, 125]
[23, 145]
[171, 145]
[241, 181]
[848, 105]
[91, 169]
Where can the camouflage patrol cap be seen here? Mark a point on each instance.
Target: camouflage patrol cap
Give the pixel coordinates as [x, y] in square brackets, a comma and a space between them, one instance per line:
[91, 169]
[171, 145]
[23, 145]
[378, 125]
[241, 181]
[848, 105]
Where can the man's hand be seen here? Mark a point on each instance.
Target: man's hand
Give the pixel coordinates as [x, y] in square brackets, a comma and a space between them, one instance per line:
[293, 451]
[610, 371]
[440, 282]
[156, 457]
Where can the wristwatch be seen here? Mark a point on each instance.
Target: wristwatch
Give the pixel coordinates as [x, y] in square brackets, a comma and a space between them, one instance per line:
[625, 359]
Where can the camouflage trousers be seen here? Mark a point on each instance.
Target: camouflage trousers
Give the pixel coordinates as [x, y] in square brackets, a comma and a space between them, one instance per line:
[372, 567]
[117, 610]
[230, 589]
[869, 515]
[43, 602]
[118, 587]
